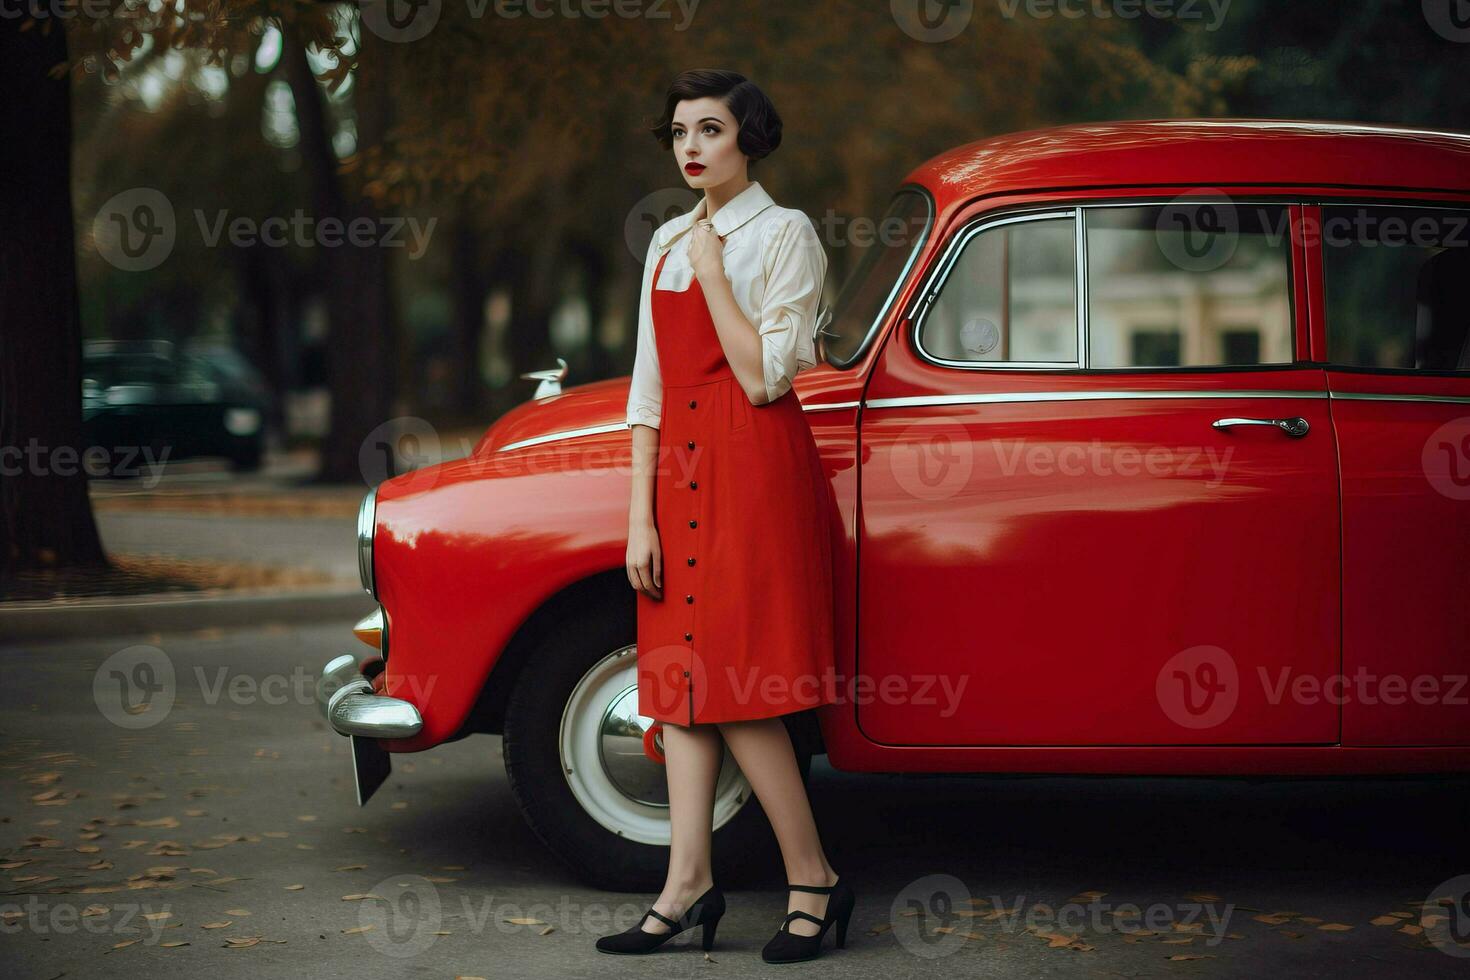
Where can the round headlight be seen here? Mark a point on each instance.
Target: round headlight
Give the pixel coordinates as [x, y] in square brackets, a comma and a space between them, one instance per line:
[367, 517]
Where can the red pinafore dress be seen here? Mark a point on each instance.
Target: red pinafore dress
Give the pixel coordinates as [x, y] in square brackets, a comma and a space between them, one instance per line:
[743, 509]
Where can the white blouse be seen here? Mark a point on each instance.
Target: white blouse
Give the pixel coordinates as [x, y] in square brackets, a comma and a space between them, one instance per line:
[776, 266]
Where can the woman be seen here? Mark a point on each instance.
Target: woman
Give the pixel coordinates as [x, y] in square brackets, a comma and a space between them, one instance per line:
[729, 485]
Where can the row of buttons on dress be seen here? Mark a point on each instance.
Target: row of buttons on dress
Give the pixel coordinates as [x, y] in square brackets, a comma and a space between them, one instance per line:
[693, 485]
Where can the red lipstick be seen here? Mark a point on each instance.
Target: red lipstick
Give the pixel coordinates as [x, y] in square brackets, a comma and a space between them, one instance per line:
[694, 168]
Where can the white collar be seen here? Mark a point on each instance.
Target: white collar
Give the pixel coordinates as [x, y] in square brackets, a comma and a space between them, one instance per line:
[736, 212]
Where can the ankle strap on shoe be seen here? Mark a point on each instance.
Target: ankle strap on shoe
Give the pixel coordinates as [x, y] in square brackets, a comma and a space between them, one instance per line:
[798, 914]
[815, 889]
[671, 923]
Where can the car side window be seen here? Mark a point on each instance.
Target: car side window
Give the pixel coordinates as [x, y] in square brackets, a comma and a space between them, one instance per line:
[1009, 296]
[1395, 280]
[1188, 283]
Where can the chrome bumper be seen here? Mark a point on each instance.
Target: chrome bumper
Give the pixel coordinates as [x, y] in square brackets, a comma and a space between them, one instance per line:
[351, 707]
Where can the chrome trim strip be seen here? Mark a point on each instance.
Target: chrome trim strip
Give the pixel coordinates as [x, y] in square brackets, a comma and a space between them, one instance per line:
[1081, 290]
[931, 218]
[940, 271]
[944, 267]
[975, 398]
[593, 430]
[1010, 396]
[1366, 396]
[1325, 128]
[590, 430]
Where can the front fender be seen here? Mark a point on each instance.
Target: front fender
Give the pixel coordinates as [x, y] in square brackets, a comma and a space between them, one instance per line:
[465, 551]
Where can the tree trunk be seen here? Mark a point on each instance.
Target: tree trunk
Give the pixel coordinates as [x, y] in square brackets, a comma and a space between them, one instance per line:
[360, 347]
[468, 288]
[528, 343]
[263, 324]
[45, 512]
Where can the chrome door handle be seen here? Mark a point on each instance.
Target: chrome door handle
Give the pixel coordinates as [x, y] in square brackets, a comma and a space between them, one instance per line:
[1296, 427]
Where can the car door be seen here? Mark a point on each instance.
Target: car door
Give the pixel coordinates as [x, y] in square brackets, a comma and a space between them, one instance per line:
[1397, 332]
[1099, 489]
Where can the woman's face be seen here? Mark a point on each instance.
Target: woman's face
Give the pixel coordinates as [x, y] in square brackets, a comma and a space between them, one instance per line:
[706, 145]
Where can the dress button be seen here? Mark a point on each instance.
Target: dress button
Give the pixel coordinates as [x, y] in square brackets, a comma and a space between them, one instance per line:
[693, 523]
[688, 636]
[686, 673]
[689, 598]
[691, 559]
[693, 484]
[691, 443]
[692, 403]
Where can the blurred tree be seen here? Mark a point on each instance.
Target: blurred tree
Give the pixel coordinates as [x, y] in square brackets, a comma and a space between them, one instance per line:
[361, 350]
[528, 135]
[45, 513]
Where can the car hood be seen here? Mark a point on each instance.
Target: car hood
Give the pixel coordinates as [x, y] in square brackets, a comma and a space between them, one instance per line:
[600, 404]
[597, 403]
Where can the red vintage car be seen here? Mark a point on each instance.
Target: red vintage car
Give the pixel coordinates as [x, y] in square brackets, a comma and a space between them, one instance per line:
[1149, 447]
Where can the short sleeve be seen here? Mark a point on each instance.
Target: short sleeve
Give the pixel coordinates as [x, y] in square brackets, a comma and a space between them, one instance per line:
[646, 391]
[790, 303]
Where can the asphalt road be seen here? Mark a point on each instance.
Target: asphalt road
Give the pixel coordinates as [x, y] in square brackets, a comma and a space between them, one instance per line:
[217, 836]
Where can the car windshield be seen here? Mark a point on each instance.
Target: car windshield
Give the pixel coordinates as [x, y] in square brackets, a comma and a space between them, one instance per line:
[876, 279]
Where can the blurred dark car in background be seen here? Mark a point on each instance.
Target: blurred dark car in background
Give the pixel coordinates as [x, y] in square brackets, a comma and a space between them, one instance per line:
[148, 402]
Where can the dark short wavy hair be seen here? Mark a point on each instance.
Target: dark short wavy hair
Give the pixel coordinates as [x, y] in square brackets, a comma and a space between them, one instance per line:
[760, 124]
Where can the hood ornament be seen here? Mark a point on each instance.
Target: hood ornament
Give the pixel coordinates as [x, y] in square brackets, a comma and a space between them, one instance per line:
[550, 379]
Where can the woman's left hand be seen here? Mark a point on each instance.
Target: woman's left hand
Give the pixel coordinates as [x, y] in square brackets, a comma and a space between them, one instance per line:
[706, 253]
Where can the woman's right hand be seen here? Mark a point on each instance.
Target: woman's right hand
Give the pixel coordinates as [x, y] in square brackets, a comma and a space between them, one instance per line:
[645, 559]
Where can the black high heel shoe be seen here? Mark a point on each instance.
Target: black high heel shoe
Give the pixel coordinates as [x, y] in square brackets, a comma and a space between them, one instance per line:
[705, 911]
[790, 947]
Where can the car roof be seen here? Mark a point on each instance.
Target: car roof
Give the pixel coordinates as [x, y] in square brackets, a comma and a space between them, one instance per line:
[1203, 153]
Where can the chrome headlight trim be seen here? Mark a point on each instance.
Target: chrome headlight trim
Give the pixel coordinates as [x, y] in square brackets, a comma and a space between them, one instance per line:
[367, 520]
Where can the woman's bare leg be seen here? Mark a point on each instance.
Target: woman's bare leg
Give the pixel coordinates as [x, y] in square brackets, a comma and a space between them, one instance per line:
[763, 749]
[692, 758]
